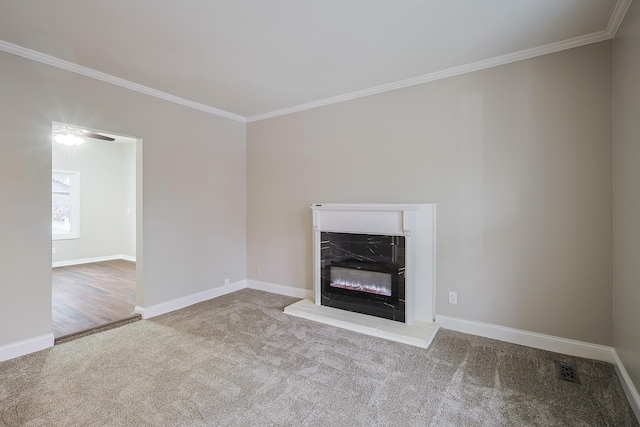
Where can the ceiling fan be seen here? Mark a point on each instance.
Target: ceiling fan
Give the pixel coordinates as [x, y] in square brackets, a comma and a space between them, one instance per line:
[69, 135]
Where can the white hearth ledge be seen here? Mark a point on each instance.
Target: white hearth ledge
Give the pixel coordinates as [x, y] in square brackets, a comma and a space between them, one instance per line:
[420, 334]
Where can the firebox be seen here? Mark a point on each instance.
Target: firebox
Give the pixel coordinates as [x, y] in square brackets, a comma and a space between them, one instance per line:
[374, 280]
[364, 273]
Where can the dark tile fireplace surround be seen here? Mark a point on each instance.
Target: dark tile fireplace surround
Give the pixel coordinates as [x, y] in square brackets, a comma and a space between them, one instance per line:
[363, 273]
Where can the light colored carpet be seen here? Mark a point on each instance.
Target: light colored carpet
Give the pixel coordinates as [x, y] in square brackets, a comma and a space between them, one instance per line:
[239, 361]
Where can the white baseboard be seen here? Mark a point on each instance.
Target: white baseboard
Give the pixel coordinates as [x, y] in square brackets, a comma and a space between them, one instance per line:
[21, 348]
[93, 259]
[628, 386]
[529, 339]
[279, 289]
[182, 302]
[549, 343]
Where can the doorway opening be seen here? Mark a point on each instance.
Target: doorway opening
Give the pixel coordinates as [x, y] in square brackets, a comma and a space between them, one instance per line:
[95, 225]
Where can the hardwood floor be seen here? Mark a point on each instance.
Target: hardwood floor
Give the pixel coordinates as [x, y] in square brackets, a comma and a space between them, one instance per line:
[86, 296]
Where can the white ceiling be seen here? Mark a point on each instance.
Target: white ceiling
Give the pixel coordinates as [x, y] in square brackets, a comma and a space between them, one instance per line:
[257, 58]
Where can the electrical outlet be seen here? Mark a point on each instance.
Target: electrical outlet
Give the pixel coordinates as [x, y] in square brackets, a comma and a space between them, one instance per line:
[226, 282]
[453, 297]
[258, 271]
[53, 251]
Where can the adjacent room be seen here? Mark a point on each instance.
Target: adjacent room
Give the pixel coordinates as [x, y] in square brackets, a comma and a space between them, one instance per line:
[294, 176]
[94, 248]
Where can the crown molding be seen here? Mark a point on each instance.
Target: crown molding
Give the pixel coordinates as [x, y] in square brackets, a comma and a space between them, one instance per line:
[438, 75]
[617, 16]
[108, 78]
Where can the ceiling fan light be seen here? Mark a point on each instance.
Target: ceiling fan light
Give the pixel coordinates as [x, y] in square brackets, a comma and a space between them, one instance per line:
[68, 139]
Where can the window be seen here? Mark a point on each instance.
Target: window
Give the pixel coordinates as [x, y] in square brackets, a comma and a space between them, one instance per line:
[65, 205]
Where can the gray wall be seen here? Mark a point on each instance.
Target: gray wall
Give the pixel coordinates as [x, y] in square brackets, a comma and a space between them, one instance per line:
[518, 159]
[194, 188]
[107, 190]
[626, 130]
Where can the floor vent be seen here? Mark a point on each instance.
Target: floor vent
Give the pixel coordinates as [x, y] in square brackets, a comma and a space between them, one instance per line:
[567, 372]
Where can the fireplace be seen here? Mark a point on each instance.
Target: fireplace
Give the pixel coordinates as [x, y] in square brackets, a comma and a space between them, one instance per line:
[374, 270]
[364, 273]
[389, 246]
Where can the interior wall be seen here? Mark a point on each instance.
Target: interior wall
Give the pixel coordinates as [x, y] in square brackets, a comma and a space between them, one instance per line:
[107, 199]
[626, 130]
[518, 159]
[194, 181]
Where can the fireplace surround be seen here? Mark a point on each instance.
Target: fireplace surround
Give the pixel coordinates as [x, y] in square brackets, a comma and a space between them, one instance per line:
[414, 224]
[393, 248]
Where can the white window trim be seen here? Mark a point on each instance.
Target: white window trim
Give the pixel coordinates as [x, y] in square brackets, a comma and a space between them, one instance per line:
[75, 205]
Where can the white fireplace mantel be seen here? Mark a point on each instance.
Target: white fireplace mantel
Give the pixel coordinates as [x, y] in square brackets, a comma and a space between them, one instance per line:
[416, 222]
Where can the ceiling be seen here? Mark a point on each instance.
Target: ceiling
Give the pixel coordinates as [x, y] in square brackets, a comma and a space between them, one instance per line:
[251, 59]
